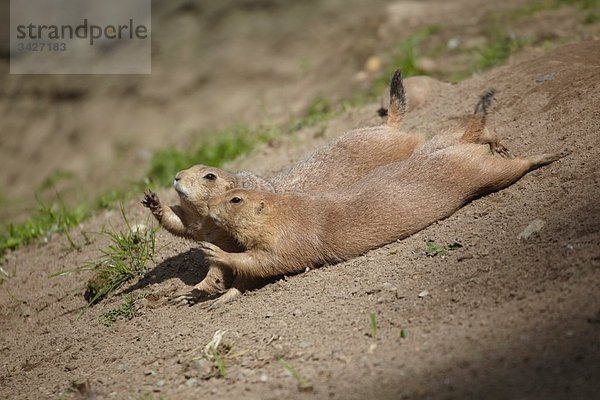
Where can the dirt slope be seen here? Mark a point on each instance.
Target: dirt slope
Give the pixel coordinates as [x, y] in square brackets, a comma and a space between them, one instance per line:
[504, 317]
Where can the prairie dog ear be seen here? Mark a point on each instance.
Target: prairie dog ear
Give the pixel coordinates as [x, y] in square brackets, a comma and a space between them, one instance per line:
[230, 184]
[260, 207]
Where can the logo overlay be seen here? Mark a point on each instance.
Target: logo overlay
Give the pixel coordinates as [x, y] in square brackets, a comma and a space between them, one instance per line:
[80, 37]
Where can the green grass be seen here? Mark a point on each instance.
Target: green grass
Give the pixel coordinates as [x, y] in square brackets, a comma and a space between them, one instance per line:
[128, 309]
[217, 351]
[500, 46]
[54, 178]
[592, 18]
[302, 382]
[122, 260]
[44, 222]
[319, 110]
[433, 249]
[373, 325]
[404, 56]
[217, 149]
[59, 218]
[220, 364]
[403, 333]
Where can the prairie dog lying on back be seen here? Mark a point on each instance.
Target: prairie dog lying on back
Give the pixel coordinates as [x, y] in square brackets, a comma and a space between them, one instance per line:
[285, 233]
[333, 166]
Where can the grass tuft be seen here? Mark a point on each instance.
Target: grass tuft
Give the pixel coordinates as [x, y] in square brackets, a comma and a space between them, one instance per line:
[122, 260]
[128, 309]
[433, 249]
[302, 382]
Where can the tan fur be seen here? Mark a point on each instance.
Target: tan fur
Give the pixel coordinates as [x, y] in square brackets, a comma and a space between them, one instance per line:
[333, 166]
[285, 233]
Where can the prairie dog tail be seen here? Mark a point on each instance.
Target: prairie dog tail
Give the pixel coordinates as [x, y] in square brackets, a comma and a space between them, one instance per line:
[397, 100]
[485, 102]
[476, 131]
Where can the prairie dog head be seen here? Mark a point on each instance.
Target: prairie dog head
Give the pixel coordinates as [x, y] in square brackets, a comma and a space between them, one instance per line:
[196, 185]
[243, 213]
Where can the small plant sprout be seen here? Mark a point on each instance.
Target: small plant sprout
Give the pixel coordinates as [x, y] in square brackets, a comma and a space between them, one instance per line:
[216, 351]
[373, 325]
[433, 249]
[403, 333]
[303, 384]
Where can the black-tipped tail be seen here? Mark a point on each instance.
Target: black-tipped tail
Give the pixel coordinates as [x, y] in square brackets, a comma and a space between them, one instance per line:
[397, 100]
[485, 101]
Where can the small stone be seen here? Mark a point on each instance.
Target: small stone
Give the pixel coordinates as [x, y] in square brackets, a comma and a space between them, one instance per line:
[424, 293]
[296, 313]
[454, 42]
[548, 77]
[373, 64]
[388, 287]
[148, 372]
[160, 383]
[533, 228]
[269, 314]
[263, 377]
[372, 348]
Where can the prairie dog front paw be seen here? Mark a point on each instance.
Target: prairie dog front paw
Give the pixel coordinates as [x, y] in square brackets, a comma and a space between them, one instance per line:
[152, 202]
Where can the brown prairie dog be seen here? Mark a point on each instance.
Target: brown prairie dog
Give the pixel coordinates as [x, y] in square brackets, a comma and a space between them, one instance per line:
[285, 233]
[337, 164]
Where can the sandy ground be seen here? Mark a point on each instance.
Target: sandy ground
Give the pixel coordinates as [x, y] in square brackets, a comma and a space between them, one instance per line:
[503, 317]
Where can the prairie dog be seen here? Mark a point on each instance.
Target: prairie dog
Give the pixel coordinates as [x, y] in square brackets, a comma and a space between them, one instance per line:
[337, 164]
[285, 233]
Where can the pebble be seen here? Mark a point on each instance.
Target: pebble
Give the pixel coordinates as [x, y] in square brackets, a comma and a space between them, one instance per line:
[532, 229]
[454, 42]
[373, 64]
[424, 293]
[388, 287]
[548, 77]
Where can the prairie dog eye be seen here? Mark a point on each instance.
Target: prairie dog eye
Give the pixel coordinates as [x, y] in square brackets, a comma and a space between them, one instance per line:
[236, 200]
[210, 177]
